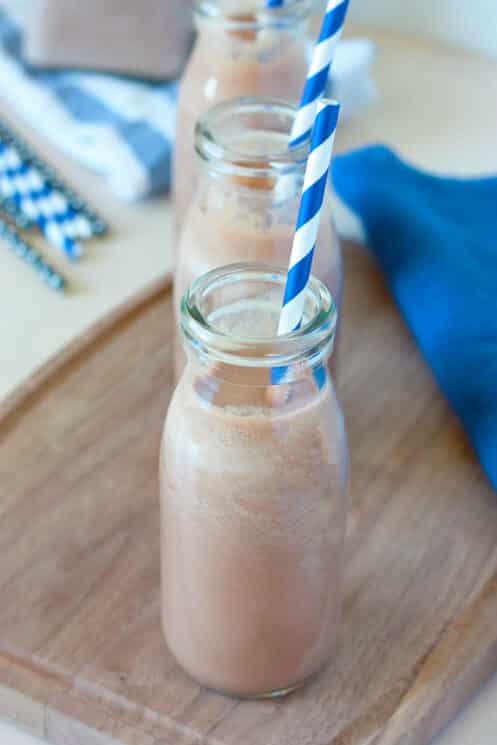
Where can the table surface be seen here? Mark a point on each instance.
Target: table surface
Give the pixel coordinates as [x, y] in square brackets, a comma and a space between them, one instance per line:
[437, 106]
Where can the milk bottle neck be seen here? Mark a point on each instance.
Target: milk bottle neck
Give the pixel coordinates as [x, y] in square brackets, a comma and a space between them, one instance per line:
[251, 21]
[242, 149]
[229, 320]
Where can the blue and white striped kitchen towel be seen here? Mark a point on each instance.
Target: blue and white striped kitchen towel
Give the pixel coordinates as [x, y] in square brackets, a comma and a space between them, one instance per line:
[124, 128]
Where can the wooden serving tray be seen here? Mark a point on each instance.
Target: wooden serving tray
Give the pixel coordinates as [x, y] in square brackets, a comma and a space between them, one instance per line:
[82, 660]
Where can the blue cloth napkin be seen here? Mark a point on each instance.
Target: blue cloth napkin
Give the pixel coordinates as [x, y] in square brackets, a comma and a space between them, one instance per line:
[436, 241]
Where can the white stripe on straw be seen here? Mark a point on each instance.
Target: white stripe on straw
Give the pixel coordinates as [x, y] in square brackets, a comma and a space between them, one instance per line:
[317, 76]
[316, 176]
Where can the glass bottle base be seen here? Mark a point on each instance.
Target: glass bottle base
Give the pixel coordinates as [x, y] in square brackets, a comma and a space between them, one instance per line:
[280, 693]
[264, 695]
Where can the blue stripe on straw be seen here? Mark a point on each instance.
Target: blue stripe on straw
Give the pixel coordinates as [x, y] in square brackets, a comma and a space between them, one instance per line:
[13, 172]
[311, 201]
[315, 86]
[333, 21]
[71, 248]
[299, 140]
[274, 3]
[297, 279]
[45, 191]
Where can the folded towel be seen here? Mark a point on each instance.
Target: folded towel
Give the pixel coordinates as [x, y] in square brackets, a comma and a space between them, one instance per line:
[435, 239]
[124, 128]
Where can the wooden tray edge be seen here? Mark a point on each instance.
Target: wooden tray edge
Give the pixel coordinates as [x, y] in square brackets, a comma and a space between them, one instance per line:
[460, 662]
[418, 717]
[65, 713]
[29, 387]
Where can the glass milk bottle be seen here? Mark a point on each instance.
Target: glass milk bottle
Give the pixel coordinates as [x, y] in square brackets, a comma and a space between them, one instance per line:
[253, 489]
[248, 197]
[243, 48]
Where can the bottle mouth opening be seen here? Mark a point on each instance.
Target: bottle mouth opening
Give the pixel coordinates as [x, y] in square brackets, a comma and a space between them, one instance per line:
[253, 15]
[231, 315]
[249, 137]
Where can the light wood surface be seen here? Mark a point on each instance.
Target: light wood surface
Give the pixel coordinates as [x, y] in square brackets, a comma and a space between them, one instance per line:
[36, 323]
[82, 659]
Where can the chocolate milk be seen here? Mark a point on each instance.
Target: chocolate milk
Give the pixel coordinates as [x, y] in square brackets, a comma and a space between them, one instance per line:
[252, 521]
[237, 216]
[227, 234]
[227, 63]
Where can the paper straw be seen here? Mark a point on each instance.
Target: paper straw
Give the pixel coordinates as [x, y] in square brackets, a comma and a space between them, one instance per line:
[25, 179]
[317, 77]
[313, 191]
[77, 203]
[9, 207]
[37, 201]
[32, 257]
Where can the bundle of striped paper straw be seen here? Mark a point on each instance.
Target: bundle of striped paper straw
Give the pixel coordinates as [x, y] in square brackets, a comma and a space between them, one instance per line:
[317, 76]
[304, 241]
[97, 224]
[25, 179]
[38, 201]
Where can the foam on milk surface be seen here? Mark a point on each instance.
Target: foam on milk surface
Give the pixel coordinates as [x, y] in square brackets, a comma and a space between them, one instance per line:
[259, 144]
[257, 319]
[247, 318]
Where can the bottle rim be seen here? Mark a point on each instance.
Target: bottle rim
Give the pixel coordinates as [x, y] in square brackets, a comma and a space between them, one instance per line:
[215, 150]
[307, 346]
[290, 13]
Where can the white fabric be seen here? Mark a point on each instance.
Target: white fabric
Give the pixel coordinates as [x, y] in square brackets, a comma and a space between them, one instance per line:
[96, 146]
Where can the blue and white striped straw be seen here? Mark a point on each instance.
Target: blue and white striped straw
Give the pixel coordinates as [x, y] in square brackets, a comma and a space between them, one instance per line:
[317, 77]
[38, 201]
[22, 179]
[304, 241]
[32, 257]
